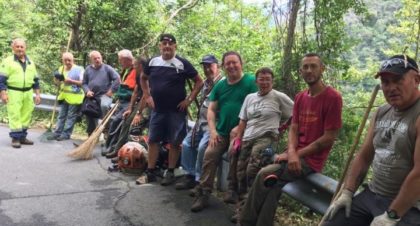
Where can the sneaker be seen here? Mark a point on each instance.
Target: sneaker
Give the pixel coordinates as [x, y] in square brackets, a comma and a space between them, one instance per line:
[61, 138]
[53, 137]
[187, 182]
[15, 143]
[168, 178]
[201, 201]
[230, 197]
[26, 141]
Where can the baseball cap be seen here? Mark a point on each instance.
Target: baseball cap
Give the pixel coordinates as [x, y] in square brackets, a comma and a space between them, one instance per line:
[397, 65]
[209, 59]
[167, 37]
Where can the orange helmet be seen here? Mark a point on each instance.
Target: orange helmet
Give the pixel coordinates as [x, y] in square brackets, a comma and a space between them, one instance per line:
[132, 158]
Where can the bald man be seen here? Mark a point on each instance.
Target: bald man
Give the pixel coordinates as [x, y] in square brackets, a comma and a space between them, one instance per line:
[69, 76]
[18, 79]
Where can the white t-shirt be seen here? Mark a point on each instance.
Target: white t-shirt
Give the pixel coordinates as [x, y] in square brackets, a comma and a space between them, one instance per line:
[264, 113]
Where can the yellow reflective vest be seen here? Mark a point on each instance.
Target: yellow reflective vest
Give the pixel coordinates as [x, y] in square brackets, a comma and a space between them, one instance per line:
[71, 93]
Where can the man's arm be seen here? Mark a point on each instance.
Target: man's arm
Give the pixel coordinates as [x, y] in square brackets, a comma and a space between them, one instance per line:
[294, 156]
[409, 192]
[198, 83]
[362, 161]
[132, 102]
[241, 128]
[211, 120]
[144, 83]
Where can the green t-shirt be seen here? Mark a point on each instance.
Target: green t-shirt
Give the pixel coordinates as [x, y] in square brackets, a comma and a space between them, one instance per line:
[229, 101]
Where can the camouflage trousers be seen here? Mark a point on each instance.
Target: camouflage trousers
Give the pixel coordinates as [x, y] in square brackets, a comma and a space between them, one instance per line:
[243, 167]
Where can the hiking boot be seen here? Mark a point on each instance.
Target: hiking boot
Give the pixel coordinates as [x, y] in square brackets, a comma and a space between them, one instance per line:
[193, 192]
[168, 178]
[187, 182]
[150, 176]
[201, 201]
[15, 143]
[230, 197]
[26, 141]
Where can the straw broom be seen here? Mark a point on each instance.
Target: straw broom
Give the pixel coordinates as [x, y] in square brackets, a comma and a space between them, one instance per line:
[85, 150]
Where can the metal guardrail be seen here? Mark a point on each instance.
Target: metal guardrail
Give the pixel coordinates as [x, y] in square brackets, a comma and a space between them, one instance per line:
[47, 103]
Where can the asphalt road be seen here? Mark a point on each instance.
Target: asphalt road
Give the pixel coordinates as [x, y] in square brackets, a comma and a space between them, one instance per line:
[41, 186]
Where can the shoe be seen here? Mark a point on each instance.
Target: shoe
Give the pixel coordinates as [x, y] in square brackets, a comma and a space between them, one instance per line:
[230, 197]
[113, 168]
[168, 178]
[111, 154]
[53, 137]
[201, 201]
[114, 160]
[15, 143]
[26, 141]
[61, 138]
[150, 176]
[187, 182]
[193, 192]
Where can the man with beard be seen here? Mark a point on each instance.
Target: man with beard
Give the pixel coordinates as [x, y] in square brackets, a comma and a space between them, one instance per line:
[315, 124]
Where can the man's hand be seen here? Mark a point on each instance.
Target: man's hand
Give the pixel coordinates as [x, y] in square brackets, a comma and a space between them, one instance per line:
[383, 220]
[4, 97]
[293, 163]
[109, 93]
[90, 94]
[281, 157]
[236, 146]
[149, 101]
[344, 200]
[136, 120]
[37, 99]
[127, 112]
[183, 106]
[214, 139]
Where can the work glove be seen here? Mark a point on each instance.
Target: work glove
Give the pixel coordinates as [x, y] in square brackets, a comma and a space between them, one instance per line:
[58, 76]
[383, 220]
[236, 146]
[344, 200]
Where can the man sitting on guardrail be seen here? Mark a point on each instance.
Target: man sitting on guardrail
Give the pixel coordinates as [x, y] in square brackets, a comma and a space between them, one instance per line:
[18, 79]
[315, 124]
[392, 147]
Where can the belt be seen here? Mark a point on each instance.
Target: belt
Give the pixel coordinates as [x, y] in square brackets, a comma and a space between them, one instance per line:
[24, 89]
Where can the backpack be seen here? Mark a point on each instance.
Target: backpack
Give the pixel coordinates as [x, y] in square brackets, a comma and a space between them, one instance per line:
[91, 107]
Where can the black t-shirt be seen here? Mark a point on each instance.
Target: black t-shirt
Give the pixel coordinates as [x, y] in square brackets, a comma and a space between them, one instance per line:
[167, 81]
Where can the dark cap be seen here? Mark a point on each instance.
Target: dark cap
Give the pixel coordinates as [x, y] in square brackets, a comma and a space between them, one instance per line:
[397, 65]
[209, 59]
[167, 37]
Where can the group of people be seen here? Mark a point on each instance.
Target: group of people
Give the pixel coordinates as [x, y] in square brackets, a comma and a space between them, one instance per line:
[242, 114]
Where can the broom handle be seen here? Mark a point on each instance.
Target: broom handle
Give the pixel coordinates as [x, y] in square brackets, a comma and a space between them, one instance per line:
[353, 147]
[58, 86]
[107, 116]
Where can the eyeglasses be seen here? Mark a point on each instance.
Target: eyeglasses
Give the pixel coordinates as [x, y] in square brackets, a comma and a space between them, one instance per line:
[397, 61]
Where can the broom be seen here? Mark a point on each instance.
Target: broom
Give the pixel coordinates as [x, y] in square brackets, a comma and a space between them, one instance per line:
[85, 150]
[340, 186]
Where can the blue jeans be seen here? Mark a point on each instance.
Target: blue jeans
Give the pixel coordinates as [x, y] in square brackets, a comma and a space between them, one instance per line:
[66, 120]
[192, 157]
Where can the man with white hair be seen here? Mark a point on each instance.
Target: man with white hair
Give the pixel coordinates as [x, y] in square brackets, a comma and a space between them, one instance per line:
[124, 93]
[99, 81]
[18, 77]
[69, 76]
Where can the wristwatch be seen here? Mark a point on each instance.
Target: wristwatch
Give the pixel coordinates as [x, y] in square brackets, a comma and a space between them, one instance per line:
[392, 214]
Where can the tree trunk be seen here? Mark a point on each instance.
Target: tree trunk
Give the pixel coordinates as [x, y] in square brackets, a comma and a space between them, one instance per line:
[290, 84]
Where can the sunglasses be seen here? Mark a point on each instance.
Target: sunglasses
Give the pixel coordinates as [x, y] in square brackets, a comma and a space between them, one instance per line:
[397, 61]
